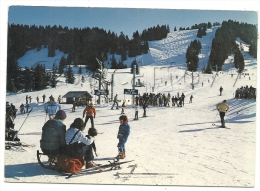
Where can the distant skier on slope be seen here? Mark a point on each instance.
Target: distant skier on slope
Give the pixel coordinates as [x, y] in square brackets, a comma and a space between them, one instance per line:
[115, 102]
[220, 90]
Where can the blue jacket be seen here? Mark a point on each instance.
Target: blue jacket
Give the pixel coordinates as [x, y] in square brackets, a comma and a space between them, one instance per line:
[51, 108]
[123, 132]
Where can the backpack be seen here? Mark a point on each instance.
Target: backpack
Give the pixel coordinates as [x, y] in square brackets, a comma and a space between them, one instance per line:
[69, 164]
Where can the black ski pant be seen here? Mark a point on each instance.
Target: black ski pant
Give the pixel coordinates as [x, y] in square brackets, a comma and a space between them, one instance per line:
[222, 115]
[144, 112]
[91, 119]
[114, 105]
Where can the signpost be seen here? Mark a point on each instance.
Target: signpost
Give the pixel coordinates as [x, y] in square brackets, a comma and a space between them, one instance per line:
[101, 92]
[131, 91]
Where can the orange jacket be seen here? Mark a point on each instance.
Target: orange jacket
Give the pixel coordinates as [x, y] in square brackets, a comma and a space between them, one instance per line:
[90, 111]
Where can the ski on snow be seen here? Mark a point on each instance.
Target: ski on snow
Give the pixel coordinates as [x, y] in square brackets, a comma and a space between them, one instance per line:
[115, 165]
[9, 144]
[220, 126]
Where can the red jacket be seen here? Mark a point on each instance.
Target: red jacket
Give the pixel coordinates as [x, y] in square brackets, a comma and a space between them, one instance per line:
[90, 111]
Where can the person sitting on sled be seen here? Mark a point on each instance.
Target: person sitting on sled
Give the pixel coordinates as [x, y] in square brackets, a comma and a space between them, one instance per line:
[53, 134]
[78, 145]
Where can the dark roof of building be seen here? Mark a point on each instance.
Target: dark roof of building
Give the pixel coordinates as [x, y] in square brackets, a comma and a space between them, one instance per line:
[72, 94]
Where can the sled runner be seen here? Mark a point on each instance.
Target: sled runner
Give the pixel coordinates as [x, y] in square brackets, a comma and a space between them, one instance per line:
[46, 161]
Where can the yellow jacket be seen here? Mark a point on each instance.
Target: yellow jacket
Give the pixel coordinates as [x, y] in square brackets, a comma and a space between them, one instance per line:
[222, 107]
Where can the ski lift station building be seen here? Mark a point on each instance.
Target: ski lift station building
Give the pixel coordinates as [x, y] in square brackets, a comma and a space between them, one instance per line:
[72, 96]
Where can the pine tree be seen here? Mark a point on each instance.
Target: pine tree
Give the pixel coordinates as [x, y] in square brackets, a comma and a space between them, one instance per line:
[80, 70]
[70, 76]
[13, 76]
[62, 64]
[208, 69]
[41, 79]
[113, 63]
[53, 76]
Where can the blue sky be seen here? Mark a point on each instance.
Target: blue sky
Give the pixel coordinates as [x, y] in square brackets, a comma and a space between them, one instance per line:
[127, 20]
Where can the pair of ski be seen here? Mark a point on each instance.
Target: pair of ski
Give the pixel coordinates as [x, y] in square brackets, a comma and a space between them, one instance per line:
[221, 126]
[114, 165]
[9, 144]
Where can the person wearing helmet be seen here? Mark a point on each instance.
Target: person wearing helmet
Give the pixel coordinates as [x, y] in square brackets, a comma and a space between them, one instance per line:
[53, 134]
[122, 135]
[90, 114]
[80, 146]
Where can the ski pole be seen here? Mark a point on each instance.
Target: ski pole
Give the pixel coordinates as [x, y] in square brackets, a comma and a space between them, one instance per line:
[215, 119]
[23, 123]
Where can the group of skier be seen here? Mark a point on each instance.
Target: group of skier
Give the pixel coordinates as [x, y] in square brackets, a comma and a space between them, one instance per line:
[161, 100]
[245, 92]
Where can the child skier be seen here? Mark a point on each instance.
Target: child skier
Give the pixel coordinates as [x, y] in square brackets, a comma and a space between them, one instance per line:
[122, 135]
[123, 107]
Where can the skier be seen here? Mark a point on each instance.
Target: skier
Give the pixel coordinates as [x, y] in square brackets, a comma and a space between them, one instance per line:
[115, 102]
[136, 100]
[123, 107]
[173, 102]
[167, 102]
[22, 110]
[122, 135]
[144, 107]
[176, 101]
[222, 109]
[90, 113]
[136, 112]
[78, 145]
[26, 99]
[53, 134]
[59, 99]
[51, 107]
[182, 98]
[191, 97]
[220, 90]
[27, 107]
[43, 98]
[74, 106]
[37, 99]
[180, 102]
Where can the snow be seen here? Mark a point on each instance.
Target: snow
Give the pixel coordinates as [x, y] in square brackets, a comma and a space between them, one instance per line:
[175, 140]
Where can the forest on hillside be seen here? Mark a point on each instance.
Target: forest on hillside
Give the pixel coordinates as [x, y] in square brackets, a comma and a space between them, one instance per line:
[83, 46]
